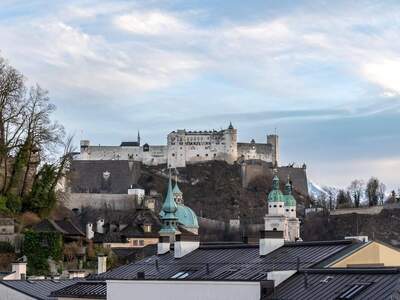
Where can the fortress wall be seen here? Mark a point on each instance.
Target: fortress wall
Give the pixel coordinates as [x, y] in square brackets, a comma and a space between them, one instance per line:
[100, 201]
[255, 168]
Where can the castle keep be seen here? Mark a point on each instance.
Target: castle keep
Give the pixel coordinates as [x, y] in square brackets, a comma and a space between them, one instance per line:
[187, 147]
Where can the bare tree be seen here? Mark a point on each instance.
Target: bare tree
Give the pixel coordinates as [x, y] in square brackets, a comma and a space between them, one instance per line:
[381, 192]
[371, 191]
[343, 199]
[356, 189]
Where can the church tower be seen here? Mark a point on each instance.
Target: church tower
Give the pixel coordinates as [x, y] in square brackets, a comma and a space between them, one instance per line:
[281, 217]
[290, 210]
[168, 217]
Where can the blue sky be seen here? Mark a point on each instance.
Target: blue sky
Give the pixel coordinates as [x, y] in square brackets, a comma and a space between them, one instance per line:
[326, 74]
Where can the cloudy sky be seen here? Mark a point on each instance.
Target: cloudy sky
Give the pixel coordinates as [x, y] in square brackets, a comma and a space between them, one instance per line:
[325, 74]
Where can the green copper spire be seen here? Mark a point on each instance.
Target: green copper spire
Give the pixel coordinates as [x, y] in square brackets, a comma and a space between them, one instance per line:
[289, 199]
[275, 195]
[169, 209]
[176, 189]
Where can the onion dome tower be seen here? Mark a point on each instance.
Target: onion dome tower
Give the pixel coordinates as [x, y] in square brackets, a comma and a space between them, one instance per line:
[276, 200]
[290, 201]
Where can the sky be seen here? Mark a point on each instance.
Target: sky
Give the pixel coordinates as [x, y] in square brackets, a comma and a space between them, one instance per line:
[325, 75]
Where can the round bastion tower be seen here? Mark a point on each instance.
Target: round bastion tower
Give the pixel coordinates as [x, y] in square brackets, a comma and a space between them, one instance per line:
[230, 136]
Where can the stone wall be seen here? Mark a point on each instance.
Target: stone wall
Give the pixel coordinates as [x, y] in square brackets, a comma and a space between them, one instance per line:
[251, 169]
[361, 211]
[100, 201]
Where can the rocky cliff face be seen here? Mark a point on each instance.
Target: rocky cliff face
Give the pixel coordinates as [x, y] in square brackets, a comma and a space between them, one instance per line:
[214, 190]
[384, 226]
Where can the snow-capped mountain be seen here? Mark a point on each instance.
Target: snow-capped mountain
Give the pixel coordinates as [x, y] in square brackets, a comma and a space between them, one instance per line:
[316, 191]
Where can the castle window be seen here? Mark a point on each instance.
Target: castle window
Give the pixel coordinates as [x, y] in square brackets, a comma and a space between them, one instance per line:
[287, 209]
[215, 154]
[292, 209]
[198, 155]
[280, 205]
[206, 154]
[270, 206]
[173, 154]
[274, 229]
[274, 205]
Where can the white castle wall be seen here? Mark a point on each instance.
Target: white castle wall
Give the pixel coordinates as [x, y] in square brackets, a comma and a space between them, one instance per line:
[186, 147]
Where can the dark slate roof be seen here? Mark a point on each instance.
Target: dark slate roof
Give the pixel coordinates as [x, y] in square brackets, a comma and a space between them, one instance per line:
[84, 289]
[86, 176]
[229, 262]
[130, 144]
[66, 227]
[38, 289]
[338, 283]
[128, 255]
[109, 237]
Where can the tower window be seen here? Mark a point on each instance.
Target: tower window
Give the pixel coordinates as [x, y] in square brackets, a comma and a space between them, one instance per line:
[287, 209]
[280, 205]
[275, 205]
[292, 209]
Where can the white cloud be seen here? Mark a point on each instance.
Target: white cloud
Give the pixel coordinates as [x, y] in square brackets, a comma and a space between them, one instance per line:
[386, 73]
[150, 23]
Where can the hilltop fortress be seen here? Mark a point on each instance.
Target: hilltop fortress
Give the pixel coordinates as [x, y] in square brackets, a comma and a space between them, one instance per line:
[187, 147]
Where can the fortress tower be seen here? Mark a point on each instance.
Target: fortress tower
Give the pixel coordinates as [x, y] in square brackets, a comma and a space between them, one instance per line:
[273, 139]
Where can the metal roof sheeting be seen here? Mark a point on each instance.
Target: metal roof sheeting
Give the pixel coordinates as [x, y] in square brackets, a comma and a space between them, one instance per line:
[39, 289]
[218, 261]
[84, 289]
[341, 284]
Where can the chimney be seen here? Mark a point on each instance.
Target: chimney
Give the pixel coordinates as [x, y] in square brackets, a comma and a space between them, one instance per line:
[76, 274]
[270, 241]
[19, 268]
[100, 226]
[101, 263]
[163, 245]
[267, 289]
[89, 231]
[184, 244]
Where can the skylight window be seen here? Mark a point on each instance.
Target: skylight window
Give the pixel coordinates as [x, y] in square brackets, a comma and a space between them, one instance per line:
[353, 290]
[181, 275]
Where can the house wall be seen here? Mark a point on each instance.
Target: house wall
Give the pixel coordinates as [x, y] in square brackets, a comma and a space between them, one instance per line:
[7, 293]
[374, 253]
[183, 290]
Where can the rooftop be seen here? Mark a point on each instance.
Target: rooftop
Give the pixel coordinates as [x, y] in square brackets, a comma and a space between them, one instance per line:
[341, 284]
[83, 289]
[229, 262]
[38, 289]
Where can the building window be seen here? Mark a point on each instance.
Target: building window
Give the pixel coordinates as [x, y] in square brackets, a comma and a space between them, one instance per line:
[292, 209]
[198, 155]
[274, 205]
[141, 243]
[206, 154]
[287, 209]
[173, 154]
[280, 205]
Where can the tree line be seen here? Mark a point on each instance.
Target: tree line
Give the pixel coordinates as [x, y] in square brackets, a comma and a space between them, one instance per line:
[359, 193]
[30, 141]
